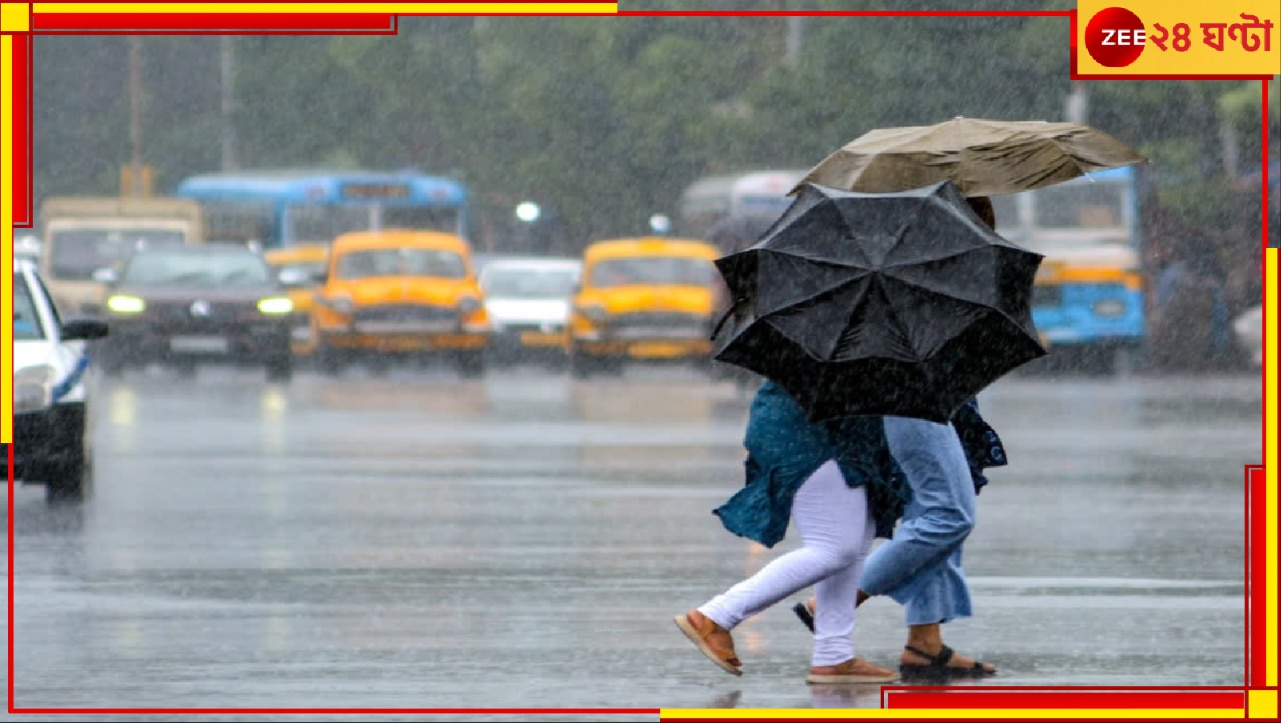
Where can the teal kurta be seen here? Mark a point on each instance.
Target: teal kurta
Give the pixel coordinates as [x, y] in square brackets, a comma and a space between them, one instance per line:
[784, 449]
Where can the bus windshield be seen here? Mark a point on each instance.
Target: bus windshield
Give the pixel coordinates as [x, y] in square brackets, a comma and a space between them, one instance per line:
[1083, 205]
[710, 199]
[1073, 216]
[74, 254]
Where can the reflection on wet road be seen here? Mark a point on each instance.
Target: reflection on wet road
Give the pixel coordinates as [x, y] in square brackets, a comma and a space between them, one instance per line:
[523, 541]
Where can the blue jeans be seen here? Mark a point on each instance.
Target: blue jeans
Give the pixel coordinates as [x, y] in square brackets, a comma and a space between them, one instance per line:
[920, 567]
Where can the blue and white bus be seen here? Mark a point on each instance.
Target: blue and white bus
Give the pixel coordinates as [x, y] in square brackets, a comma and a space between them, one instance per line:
[283, 208]
[710, 199]
[1089, 291]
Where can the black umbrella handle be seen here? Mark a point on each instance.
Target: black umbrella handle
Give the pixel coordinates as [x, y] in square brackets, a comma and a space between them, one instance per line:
[724, 318]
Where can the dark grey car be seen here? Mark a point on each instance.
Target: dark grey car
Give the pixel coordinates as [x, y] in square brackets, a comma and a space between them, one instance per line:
[184, 306]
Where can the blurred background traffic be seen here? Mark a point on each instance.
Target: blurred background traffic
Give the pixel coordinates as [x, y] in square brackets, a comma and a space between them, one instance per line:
[482, 128]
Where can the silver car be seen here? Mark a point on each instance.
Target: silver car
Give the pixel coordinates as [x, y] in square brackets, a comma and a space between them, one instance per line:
[527, 299]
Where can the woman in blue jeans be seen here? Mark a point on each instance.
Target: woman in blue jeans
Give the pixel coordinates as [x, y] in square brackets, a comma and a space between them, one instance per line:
[919, 567]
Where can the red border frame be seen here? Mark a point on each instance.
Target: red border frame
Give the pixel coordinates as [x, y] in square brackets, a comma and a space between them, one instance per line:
[22, 167]
[166, 23]
[1066, 698]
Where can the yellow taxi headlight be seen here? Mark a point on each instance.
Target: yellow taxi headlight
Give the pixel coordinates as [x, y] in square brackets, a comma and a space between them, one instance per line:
[468, 304]
[594, 312]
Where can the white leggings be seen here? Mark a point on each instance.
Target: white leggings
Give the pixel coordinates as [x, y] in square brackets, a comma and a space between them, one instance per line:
[836, 533]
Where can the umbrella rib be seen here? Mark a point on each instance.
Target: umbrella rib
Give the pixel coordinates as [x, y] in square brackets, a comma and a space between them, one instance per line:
[921, 259]
[809, 296]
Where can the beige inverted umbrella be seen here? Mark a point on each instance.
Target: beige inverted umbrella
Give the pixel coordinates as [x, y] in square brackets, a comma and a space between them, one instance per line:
[981, 157]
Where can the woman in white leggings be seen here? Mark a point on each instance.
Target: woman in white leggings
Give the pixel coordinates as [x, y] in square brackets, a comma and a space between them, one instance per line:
[831, 493]
[836, 529]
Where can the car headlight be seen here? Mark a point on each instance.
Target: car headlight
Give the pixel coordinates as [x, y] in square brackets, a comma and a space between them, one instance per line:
[342, 305]
[275, 305]
[1109, 307]
[594, 312]
[125, 304]
[33, 388]
[467, 305]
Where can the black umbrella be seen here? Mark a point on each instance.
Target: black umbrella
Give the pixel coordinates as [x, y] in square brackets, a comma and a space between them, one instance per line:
[880, 303]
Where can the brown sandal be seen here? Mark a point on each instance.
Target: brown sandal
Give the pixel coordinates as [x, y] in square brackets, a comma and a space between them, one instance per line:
[699, 629]
[854, 670]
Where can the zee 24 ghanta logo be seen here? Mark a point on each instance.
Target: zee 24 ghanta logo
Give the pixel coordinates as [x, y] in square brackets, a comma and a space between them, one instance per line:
[1116, 37]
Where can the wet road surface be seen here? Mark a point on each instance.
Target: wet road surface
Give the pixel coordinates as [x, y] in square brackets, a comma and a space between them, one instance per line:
[413, 541]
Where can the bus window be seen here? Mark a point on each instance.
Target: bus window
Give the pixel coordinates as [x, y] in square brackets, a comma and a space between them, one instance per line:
[423, 219]
[240, 222]
[1081, 205]
[322, 224]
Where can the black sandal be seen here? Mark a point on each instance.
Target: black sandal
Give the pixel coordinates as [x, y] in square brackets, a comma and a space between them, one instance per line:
[803, 612]
[938, 669]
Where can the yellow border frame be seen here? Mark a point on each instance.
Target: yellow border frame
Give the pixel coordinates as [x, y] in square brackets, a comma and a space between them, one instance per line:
[6, 225]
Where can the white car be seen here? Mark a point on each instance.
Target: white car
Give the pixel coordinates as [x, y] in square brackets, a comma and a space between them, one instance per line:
[1248, 328]
[51, 440]
[527, 299]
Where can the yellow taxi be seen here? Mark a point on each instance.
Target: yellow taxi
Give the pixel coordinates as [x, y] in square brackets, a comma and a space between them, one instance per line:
[406, 293]
[648, 298]
[300, 268]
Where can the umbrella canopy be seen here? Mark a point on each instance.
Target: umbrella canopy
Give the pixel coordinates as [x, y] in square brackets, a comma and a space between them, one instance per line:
[982, 157]
[902, 303]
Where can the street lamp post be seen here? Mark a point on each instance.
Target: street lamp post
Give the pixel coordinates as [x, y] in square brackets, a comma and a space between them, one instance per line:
[135, 116]
[1077, 107]
[226, 66]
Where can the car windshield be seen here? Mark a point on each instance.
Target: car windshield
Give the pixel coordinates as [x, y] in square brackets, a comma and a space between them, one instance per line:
[372, 263]
[654, 271]
[74, 254]
[529, 283]
[197, 269]
[26, 322]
